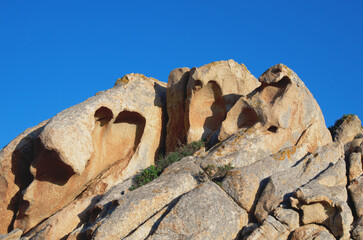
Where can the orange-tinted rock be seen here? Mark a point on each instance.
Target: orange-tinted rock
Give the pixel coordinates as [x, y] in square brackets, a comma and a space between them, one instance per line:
[15, 176]
[109, 136]
[199, 99]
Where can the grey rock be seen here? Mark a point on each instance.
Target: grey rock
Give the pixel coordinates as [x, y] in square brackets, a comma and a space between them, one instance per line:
[281, 185]
[311, 232]
[289, 217]
[206, 212]
[357, 232]
[324, 201]
[349, 129]
[271, 229]
[356, 191]
[136, 207]
[244, 184]
[355, 165]
[13, 235]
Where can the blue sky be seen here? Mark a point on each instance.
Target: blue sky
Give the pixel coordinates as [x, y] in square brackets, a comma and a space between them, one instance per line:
[55, 54]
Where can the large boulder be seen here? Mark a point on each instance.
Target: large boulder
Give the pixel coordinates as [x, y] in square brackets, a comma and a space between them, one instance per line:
[348, 129]
[92, 146]
[286, 110]
[210, 92]
[206, 212]
[280, 113]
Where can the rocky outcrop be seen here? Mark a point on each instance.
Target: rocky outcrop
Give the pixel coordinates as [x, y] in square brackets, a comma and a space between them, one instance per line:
[349, 129]
[269, 170]
[281, 185]
[79, 150]
[324, 201]
[204, 95]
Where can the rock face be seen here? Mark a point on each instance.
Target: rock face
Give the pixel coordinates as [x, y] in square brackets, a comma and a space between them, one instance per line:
[204, 95]
[97, 144]
[349, 129]
[269, 170]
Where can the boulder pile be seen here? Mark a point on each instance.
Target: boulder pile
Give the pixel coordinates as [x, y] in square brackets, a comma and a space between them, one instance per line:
[270, 168]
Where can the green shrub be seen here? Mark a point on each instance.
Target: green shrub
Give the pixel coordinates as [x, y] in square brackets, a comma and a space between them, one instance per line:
[163, 161]
[146, 176]
[217, 174]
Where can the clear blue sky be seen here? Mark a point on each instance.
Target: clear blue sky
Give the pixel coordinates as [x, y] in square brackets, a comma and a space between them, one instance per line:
[55, 54]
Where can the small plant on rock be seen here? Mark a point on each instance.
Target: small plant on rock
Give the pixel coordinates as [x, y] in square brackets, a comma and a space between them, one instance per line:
[333, 129]
[154, 171]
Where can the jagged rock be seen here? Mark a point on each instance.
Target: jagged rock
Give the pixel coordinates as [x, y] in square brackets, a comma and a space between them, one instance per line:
[81, 146]
[281, 185]
[245, 184]
[15, 160]
[311, 232]
[349, 129]
[356, 191]
[211, 91]
[175, 98]
[285, 108]
[324, 201]
[139, 205]
[289, 217]
[355, 165]
[204, 213]
[271, 229]
[13, 235]
[280, 113]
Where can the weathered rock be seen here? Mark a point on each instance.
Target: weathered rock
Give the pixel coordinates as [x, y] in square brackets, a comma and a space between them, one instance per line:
[270, 229]
[204, 213]
[280, 113]
[76, 213]
[118, 127]
[211, 91]
[324, 201]
[281, 185]
[356, 191]
[350, 128]
[285, 108]
[355, 165]
[245, 184]
[175, 97]
[139, 205]
[311, 232]
[148, 227]
[357, 232]
[289, 217]
[15, 160]
[13, 235]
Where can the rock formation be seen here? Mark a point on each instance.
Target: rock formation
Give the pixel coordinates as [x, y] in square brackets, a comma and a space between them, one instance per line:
[270, 169]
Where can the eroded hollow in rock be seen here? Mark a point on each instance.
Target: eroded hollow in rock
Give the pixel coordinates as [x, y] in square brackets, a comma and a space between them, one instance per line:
[119, 140]
[207, 111]
[115, 141]
[270, 92]
[247, 118]
[272, 129]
